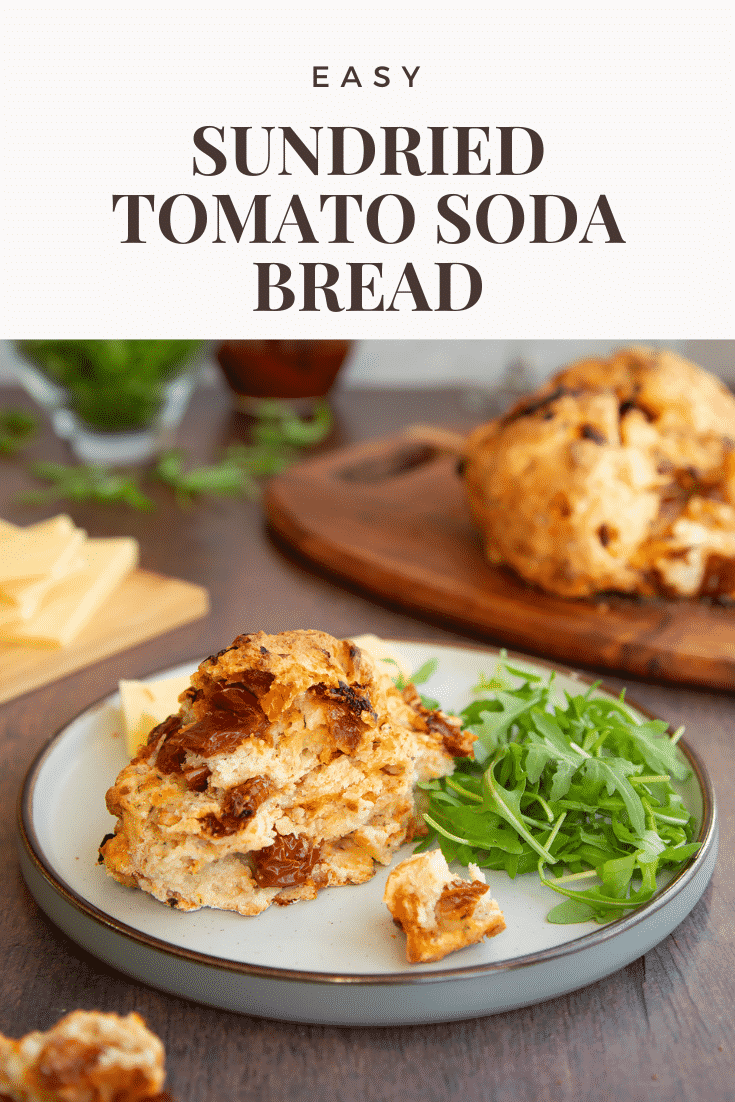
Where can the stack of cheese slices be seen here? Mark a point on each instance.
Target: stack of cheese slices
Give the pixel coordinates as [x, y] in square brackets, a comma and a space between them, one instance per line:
[54, 579]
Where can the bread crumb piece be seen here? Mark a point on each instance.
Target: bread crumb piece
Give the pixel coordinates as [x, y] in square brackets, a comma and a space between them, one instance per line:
[86, 1057]
[439, 912]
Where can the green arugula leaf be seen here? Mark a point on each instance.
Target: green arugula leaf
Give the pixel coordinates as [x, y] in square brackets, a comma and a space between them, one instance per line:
[507, 803]
[571, 910]
[418, 678]
[561, 781]
[678, 854]
[552, 736]
[495, 726]
[582, 787]
[423, 673]
[613, 773]
[658, 751]
[616, 874]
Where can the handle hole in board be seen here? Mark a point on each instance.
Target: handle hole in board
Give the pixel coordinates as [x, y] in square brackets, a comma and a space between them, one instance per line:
[380, 468]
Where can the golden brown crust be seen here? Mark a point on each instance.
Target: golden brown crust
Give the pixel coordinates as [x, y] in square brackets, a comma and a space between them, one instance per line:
[616, 475]
[86, 1057]
[290, 766]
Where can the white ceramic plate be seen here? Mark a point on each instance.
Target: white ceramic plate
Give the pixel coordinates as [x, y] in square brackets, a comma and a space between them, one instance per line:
[337, 959]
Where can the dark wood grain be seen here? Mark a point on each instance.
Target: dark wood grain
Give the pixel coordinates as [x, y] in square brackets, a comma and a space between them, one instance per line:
[391, 516]
[661, 1029]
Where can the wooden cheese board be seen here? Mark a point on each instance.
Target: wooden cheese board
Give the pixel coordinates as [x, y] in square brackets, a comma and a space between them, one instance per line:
[144, 605]
[389, 517]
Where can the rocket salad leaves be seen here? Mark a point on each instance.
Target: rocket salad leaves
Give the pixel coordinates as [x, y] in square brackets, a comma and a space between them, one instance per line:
[581, 792]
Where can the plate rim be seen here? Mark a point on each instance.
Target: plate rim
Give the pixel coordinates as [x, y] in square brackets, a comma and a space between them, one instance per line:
[707, 835]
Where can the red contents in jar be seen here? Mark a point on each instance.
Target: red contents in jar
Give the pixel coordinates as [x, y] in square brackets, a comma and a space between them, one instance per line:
[282, 369]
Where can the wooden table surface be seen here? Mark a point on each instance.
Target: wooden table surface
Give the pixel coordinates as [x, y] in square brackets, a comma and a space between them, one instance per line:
[662, 1028]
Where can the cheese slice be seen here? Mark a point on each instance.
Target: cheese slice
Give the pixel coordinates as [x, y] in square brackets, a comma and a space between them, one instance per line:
[22, 599]
[37, 552]
[72, 602]
[383, 654]
[145, 704]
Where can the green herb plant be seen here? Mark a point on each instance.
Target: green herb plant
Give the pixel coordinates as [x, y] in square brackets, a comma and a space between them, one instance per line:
[581, 792]
[87, 482]
[278, 436]
[16, 429]
[112, 384]
[228, 478]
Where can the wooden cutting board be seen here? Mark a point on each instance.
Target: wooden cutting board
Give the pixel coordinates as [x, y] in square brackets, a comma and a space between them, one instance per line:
[390, 517]
[145, 605]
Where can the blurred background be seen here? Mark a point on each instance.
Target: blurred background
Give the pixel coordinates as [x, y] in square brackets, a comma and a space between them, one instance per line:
[120, 402]
[478, 364]
[442, 363]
